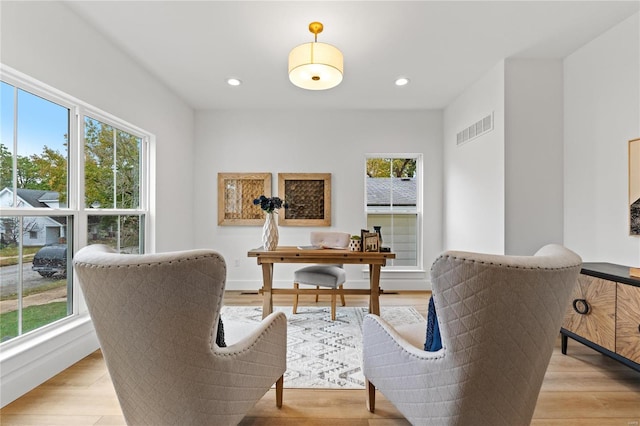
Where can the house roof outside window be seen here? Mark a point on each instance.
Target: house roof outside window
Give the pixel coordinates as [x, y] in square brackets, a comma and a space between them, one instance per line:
[39, 198]
[384, 191]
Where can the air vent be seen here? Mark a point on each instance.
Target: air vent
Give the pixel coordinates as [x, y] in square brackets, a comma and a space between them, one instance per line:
[478, 128]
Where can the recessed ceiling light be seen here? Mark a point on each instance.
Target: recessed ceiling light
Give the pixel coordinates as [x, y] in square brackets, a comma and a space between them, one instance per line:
[402, 81]
[233, 82]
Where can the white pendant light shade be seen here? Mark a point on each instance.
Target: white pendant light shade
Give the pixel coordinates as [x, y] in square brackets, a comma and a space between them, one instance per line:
[315, 66]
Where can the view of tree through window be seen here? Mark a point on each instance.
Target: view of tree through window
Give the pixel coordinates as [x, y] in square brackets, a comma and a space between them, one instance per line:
[112, 166]
[40, 215]
[391, 195]
[112, 181]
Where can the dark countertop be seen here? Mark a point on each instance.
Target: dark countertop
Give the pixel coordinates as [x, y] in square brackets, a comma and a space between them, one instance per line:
[611, 272]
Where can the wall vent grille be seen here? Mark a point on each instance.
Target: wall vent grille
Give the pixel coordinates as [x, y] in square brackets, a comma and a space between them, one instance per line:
[478, 128]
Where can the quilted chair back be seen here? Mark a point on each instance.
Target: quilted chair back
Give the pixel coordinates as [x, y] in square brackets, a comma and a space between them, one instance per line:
[499, 319]
[154, 316]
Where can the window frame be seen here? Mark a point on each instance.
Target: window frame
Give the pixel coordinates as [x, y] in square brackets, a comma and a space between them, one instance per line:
[405, 269]
[145, 175]
[75, 211]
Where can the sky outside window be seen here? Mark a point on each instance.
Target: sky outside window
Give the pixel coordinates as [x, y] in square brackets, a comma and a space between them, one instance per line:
[40, 122]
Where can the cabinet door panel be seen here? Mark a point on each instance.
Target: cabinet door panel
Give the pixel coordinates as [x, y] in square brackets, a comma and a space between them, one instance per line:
[598, 324]
[628, 322]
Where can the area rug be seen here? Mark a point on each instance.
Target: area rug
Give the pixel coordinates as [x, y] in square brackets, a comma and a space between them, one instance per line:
[322, 353]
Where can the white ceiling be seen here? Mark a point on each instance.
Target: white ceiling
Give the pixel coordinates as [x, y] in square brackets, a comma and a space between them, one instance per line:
[442, 46]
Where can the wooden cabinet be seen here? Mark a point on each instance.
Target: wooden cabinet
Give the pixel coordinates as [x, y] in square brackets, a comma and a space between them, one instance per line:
[628, 322]
[592, 313]
[605, 313]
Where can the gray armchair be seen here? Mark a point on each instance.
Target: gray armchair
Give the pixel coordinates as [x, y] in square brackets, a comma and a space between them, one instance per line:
[156, 317]
[499, 318]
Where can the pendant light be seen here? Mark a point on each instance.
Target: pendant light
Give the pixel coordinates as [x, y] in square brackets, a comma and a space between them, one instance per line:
[315, 66]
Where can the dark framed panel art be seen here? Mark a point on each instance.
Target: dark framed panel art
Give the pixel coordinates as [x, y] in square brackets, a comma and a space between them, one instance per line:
[634, 187]
[236, 192]
[308, 196]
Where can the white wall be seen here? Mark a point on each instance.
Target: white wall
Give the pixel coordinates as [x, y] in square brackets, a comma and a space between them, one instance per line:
[533, 154]
[48, 42]
[602, 113]
[310, 142]
[474, 174]
[503, 190]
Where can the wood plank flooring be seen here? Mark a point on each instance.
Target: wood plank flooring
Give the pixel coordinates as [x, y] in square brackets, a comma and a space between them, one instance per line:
[582, 388]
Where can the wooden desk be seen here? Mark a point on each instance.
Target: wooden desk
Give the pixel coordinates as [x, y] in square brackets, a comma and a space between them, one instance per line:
[295, 255]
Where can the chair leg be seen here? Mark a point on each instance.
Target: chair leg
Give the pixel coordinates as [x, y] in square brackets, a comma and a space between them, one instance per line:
[371, 396]
[295, 298]
[342, 295]
[317, 288]
[333, 306]
[279, 389]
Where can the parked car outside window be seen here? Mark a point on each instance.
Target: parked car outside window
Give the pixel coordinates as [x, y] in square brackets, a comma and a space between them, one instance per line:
[51, 259]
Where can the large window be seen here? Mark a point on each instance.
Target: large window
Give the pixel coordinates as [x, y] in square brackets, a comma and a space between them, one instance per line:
[392, 202]
[70, 176]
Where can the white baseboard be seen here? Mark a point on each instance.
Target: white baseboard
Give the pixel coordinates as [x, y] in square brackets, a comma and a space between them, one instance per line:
[34, 359]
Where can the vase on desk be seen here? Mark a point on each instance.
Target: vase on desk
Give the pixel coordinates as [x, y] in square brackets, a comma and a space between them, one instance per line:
[376, 229]
[270, 233]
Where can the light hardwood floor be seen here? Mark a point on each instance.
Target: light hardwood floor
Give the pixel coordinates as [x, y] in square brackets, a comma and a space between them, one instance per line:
[582, 388]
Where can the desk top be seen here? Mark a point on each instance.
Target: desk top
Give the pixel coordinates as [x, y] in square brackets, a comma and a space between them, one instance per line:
[292, 254]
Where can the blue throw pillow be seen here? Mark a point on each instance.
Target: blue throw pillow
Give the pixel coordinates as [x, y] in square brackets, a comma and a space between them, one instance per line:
[433, 342]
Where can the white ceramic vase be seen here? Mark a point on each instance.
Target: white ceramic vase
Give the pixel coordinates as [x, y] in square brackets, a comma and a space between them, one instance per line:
[270, 233]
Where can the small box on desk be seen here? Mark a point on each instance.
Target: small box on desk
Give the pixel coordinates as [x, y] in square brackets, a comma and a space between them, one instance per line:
[634, 272]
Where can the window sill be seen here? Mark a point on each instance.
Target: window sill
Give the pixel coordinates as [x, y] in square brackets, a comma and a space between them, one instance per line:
[28, 361]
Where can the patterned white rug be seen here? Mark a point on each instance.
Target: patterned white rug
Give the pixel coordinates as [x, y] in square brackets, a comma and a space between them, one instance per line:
[322, 353]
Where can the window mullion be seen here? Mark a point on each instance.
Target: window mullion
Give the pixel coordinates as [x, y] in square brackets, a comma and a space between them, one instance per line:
[114, 168]
[14, 164]
[20, 275]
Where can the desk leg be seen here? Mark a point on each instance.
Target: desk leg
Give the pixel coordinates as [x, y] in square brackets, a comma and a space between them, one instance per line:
[267, 280]
[374, 283]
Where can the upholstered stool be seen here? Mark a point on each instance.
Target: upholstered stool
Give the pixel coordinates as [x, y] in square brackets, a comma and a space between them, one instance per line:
[332, 276]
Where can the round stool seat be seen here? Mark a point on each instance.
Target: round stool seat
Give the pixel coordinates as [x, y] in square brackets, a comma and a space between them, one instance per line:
[322, 275]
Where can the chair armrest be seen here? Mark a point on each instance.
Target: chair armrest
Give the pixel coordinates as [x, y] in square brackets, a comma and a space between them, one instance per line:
[380, 338]
[265, 347]
[414, 379]
[391, 362]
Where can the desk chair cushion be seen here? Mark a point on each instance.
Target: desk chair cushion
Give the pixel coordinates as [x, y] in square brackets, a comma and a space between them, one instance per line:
[322, 275]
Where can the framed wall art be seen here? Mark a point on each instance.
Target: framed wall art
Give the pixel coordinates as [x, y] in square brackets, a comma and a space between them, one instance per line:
[634, 187]
[308, 196]
[236, 192]
[370, 242]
